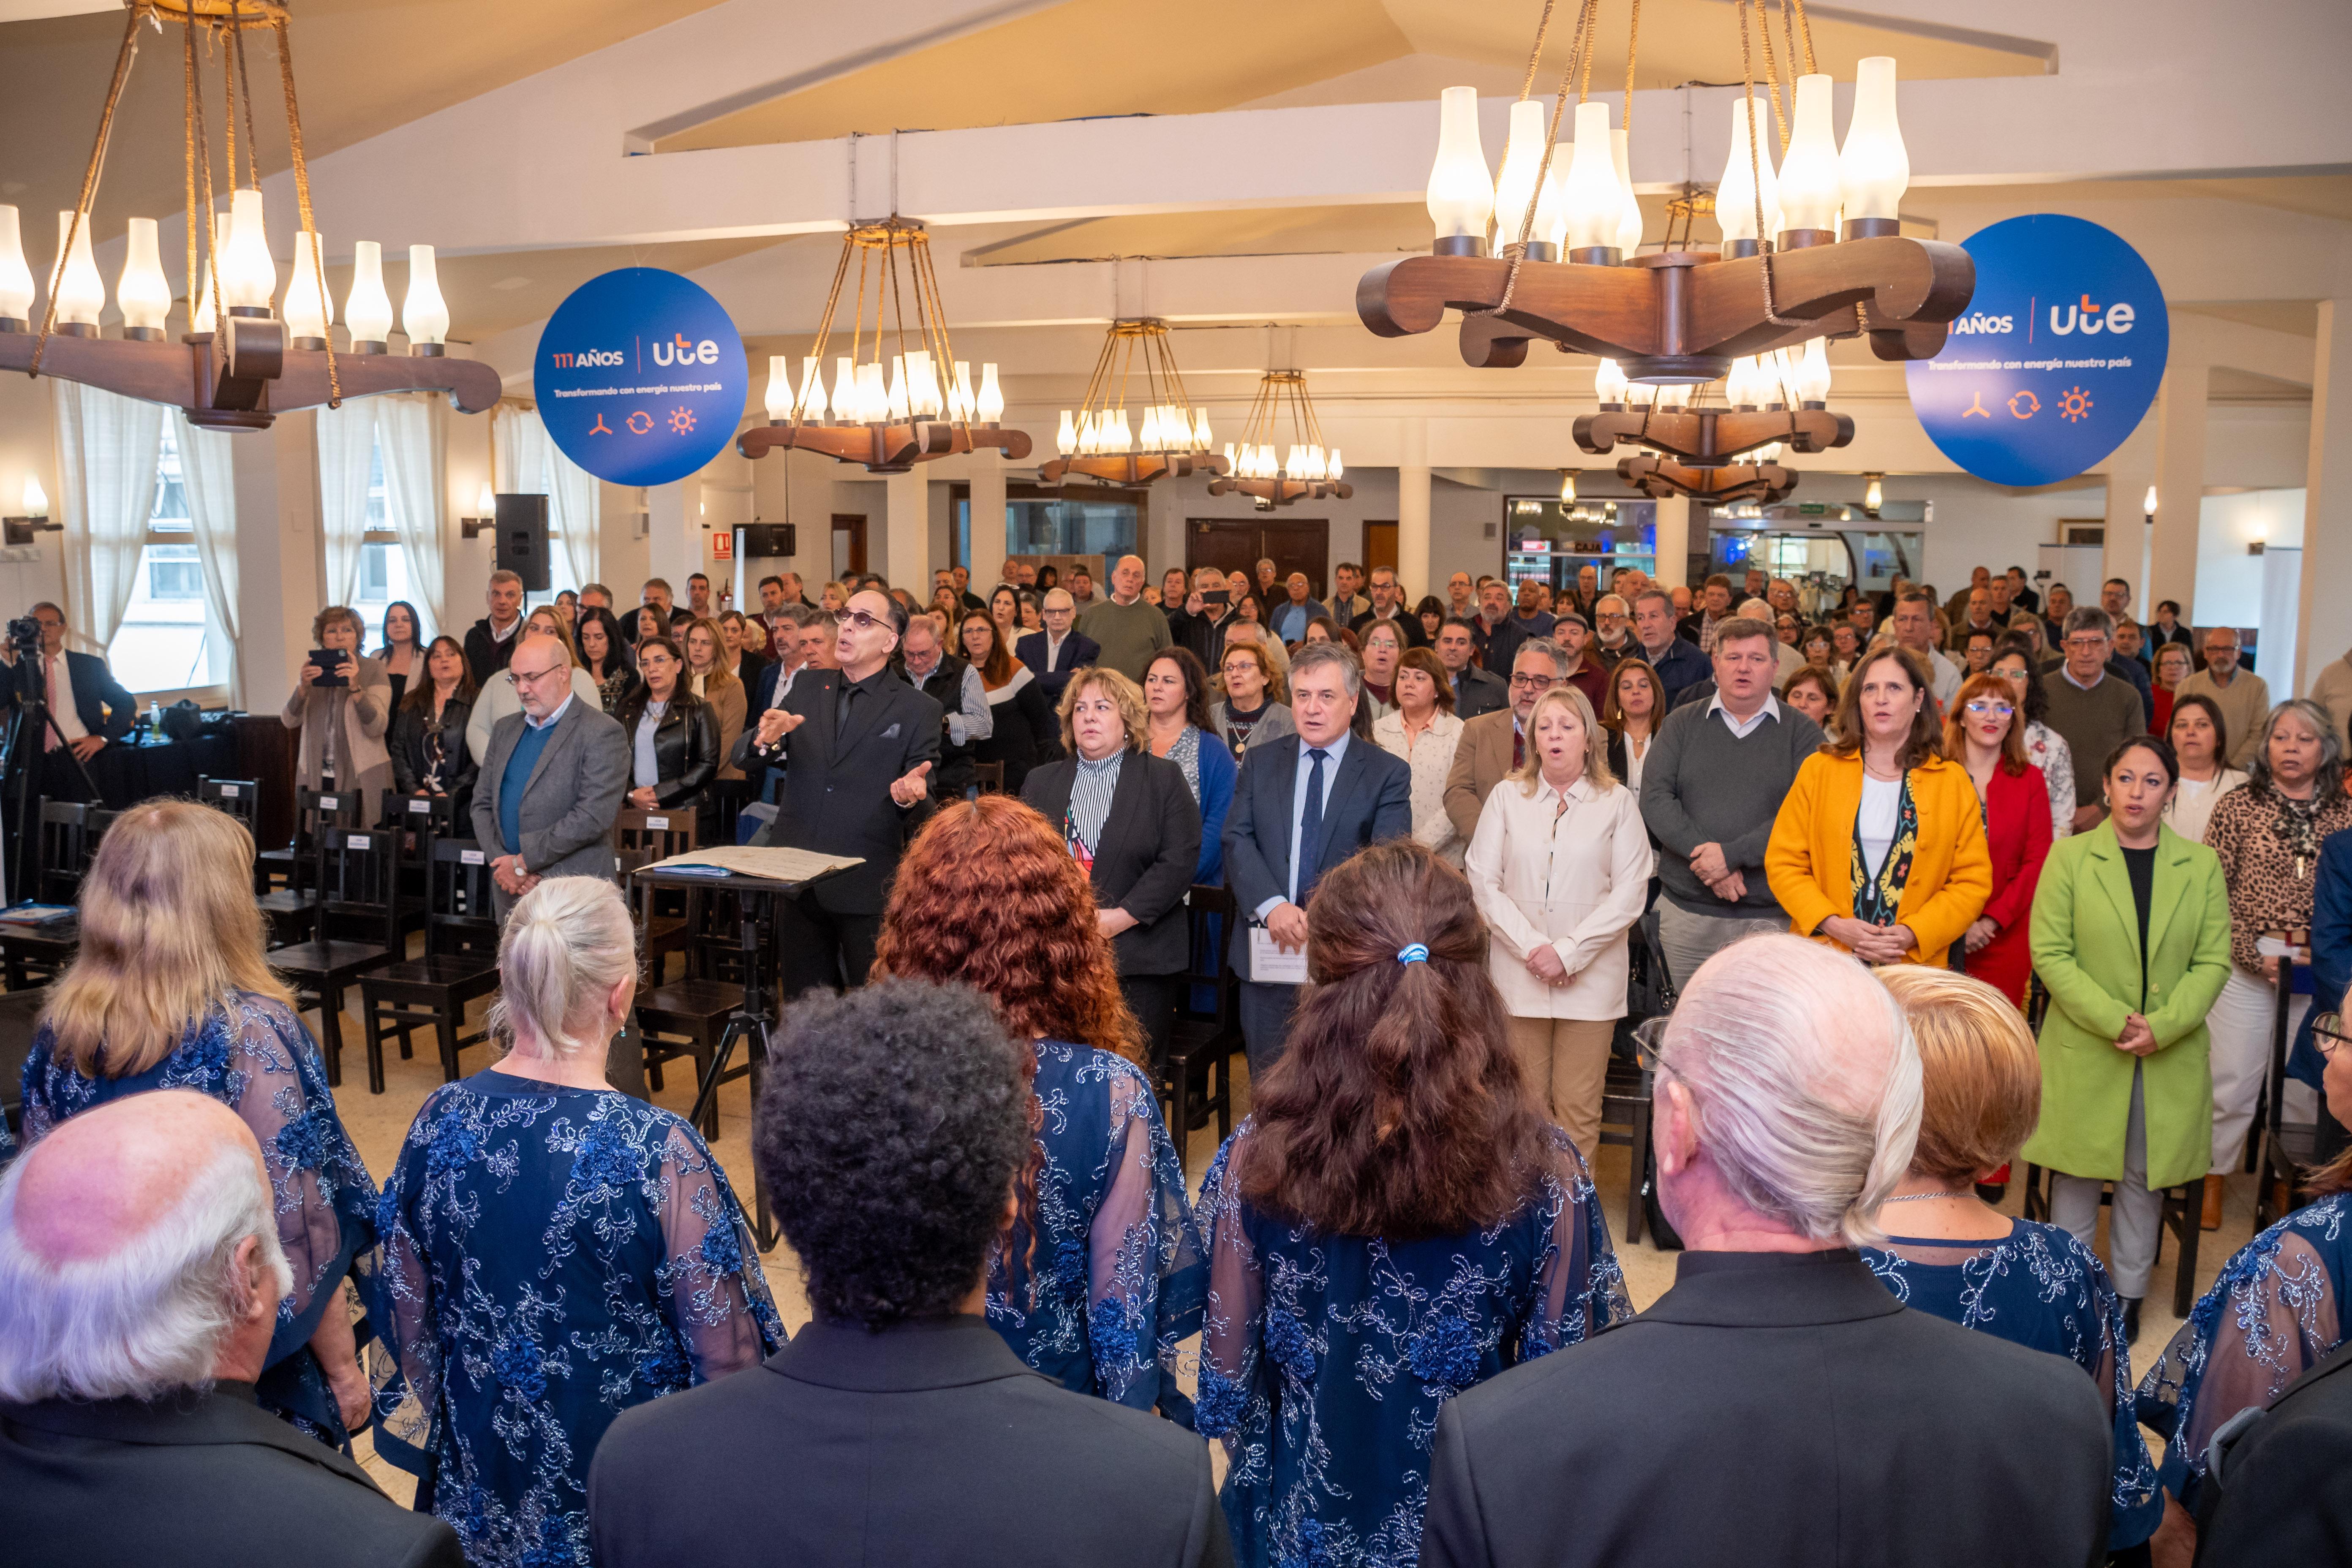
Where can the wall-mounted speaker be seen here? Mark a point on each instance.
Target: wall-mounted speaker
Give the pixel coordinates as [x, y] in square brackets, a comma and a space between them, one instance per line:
[763, 540]
[522, 539]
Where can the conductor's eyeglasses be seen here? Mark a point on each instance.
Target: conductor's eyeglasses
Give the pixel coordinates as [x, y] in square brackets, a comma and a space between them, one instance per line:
[863, 620]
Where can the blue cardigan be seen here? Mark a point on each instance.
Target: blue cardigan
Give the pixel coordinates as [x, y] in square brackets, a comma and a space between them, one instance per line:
[1217, 773]
[2331, 947]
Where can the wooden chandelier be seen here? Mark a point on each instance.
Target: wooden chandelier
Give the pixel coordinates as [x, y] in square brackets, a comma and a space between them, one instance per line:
[1306, 471]
[1098, 440]
[1725, 484]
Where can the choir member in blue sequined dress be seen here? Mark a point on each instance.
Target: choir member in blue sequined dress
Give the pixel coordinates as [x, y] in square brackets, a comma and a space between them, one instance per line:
[2281, 1305]
[555, 1252]
[1396, 1223]
[170, 990]
[1102, 1274]
[1951, 1254]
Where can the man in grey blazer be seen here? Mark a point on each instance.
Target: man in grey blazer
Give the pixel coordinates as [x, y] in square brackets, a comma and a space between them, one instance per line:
[552, 780]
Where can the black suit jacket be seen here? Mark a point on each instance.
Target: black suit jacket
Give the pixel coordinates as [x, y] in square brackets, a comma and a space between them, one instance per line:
[199, 1480]
[1778, 1411]
[944, 686]
[105, 708]
[1479, 693]
[836, 790]
[1076, 653]
[485, 654]
[1406, 621]
[925, 1445]
[1151, 847]
[1499, 647]
[2280, 1497]
[1370, 800]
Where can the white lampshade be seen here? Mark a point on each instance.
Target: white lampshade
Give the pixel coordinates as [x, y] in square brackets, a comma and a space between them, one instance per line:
[248, 279]
[1065, 435]
[1873, 169]
[991, 402]
[1151, 442]
[143, 292]
[848, 399]
[1123, 431]
[1609, 382]
[1874, 496]
[485, 500]
[1735, 196]
[811, 402]
[779, 398]
[923, 399]
[80, 294]
[873, 396]
[1568, 487]
[1200, 430]
[367, 309]
[1592, 201]
[1740, 387]
[424, 314]
[200, 318]
[16, 278]
[961, 402]
[36, 502]
[1461, 192]
[1515, 187]
[1808, 173]
[1813, 372]
[898, 412]
[1629, 227]
[306, 310]
[1332, 468]
[2148, 506]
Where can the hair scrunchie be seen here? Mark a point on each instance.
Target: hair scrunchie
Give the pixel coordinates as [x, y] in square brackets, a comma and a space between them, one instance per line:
[1417, 953]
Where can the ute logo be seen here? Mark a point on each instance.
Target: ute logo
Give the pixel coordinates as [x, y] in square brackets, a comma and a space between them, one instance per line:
[587, 357]
[676, 349]
[2087, 317]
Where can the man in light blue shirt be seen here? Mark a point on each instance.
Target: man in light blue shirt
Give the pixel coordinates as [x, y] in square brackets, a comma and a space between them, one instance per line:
[1289, 619]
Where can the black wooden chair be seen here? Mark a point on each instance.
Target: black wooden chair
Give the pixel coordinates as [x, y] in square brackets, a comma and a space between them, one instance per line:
[988, 778]
[292, 911]
[28, 956]
[2290, 1149]
[1197, 1082]
[1626, 1091]
[359, 929]
[671, 921]
[458, 966]
[241, 798]
[685, 1017]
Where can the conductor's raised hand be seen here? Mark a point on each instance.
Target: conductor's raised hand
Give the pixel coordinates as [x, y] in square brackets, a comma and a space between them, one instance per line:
[911, 787]
[776, 723]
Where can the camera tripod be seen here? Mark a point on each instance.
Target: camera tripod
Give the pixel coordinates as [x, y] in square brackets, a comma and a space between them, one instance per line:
[28, 730]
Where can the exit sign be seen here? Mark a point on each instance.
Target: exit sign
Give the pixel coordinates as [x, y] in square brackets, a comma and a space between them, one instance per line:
[1811, 509]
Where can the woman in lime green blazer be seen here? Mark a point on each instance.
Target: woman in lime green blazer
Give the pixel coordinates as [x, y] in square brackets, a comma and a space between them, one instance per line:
[2127, 1092]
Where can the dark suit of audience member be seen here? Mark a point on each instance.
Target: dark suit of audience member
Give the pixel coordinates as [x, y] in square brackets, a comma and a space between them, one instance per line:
[1026, 733]
[554, 806]
[1407, 623]
[415, 758]
[487, 655]
[2273, 1493]
[1204, 634]
[1076, 652]
[81, 689]
[685, 746]
[834, 797]
[944, 686]
[1476, 692]
[1858, 1430]
[1145, 855]
[195, 1480]
[1498, 644]
[1367, 798]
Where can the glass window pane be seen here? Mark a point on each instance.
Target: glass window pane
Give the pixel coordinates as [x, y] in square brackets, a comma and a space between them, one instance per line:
[163, 644]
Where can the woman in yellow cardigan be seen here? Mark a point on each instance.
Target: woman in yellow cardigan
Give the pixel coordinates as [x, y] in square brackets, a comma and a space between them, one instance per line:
[1879, 847]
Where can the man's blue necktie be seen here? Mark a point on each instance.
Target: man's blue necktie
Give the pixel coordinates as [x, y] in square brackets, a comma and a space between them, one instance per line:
[1310, 825]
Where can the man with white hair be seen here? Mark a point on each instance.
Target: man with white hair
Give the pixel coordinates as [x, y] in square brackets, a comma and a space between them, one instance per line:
[1779, 1405]
[142, 1270]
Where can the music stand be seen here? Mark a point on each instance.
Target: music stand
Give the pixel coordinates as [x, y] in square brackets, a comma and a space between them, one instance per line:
[756, 1015]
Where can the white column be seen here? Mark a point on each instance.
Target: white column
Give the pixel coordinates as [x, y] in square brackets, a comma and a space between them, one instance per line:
[278, 549]
[673, 536]
[1413, 510]
[1674, 541]
[2131, 469]
[2326, 629]
[987, 561]
[906, 533]
[2180, 488]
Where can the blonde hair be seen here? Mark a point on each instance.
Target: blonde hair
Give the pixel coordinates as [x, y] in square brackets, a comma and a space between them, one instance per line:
[566, 944]
[717, 678]
[169, 933]
[1980, 1072]
[1530, 772]
[1124, 694]
[558, 629]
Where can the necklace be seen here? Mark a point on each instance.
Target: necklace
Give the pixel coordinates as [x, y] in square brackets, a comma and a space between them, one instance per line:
[1915, 1197]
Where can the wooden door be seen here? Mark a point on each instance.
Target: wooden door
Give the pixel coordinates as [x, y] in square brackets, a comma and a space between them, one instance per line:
[1379, 547]
[848, 546]
[1237, 544]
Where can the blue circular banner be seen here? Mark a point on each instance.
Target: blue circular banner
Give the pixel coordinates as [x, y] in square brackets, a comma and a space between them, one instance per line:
[640, 376]
[2057, 359]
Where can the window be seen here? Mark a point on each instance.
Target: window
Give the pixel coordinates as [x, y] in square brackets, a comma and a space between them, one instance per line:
[384, 564]
[166, 641]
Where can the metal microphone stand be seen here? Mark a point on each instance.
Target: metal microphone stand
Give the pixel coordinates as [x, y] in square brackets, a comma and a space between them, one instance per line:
[29, 727]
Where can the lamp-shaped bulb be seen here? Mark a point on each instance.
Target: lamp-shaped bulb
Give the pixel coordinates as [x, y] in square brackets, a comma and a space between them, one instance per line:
[2148, 506]
[1294, 462]
[918, 373]
[248, 279]
[1200, 430]
[143, 292]
[1333, 468]
[1808, 173]
[36, 502]
[1231, 466]
[1593, 202]
[1873, 169]
[16, 278]
[873, 397]
[1640, 394]
[899, 411]
[306, 310]
[1065, 435]
[1739, 386]
[1629, 226]
[1609, 382]
[424, 314]
[1568, 487]
[1125, 432]
[1461, 193]
[779, 398]
[80, 294]
[485, 500]
[1873, 494]
[200, 320]
[960, 402]
[1151, 429]
[1515, 187]
[1735, 200]
[810, 405]
[991, 401]
[1814, 373]
[847, 406]
[367, 309]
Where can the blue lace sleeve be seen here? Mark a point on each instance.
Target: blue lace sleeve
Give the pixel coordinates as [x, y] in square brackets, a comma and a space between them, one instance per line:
[1580, 1286]
[404, 1362]
[718, 1299]
[1147, 1273]
[1233, 1317]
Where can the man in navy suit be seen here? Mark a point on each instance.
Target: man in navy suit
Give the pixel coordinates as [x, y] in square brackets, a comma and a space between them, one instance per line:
[1057, 652]
[1329, 793]
[90, 707]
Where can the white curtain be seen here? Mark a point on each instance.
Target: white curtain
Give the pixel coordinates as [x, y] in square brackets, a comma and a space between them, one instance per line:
[108, 447]
[346, 449]
[210, 484]
[415, 442]
[530, 464]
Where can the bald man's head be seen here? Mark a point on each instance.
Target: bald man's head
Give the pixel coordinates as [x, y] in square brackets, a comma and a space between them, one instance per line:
[138, 1253]
[541, 672]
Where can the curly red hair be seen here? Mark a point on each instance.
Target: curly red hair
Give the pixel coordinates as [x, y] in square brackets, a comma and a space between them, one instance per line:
[988, 896]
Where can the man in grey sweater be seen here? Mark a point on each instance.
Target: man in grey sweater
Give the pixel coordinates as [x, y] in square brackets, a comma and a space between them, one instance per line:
[1711, 786]
[2093, 711]
[1129, 628]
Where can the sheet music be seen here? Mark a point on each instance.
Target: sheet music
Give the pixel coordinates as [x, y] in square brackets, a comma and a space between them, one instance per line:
[776, 864]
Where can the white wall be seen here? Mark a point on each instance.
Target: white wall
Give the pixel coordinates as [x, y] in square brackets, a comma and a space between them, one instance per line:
[2230, 581]
[28, 449]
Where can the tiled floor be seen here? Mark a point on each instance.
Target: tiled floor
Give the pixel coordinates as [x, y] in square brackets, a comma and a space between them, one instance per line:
[378, 1122]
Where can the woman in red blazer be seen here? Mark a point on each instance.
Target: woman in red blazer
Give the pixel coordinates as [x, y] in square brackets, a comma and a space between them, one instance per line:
[1986, 734]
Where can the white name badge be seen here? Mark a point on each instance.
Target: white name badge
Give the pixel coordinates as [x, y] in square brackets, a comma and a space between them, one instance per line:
[1271, 963]
[661, 823]
[470, 858]
[329, 803]
[420, 806]
[229, 792]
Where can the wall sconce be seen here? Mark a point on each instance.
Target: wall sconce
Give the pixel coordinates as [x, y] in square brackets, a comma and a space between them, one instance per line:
[1873, 494]
[2147, 507]
[1568, 487]
[486, 505]
[2257, 538]
[19, 530]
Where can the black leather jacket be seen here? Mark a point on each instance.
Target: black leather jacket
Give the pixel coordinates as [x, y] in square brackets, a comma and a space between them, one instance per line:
[685, 749]
[413, 755]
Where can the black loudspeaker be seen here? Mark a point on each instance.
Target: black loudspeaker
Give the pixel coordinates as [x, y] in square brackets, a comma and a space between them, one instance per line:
[763, 540]
[522, 539]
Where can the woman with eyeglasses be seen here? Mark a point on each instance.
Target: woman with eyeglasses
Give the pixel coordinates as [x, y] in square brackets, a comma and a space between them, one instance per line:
[2173, 664]
[499, 698]
[1985, 733]
[1024, 733]
[2045, 748]
[1252, 711]
[2200, 737]
[673, 738]
[1383, 648]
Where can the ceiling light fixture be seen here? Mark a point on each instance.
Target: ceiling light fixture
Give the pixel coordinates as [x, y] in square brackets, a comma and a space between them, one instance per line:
[1773, 403]
[1784, 277]
[924, 409]
[1305, 469]
[1099, 441]
[241, 363]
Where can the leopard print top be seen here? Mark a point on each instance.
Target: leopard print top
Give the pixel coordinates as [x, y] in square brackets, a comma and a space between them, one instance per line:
[2269, 890]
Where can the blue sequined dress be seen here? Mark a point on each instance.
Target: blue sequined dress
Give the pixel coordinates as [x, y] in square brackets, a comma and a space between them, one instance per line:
[552, 1257]
[2040, 1288]
[1325, 1359]
[253, 1055]
[2277, 1310]
[1117, 1273]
